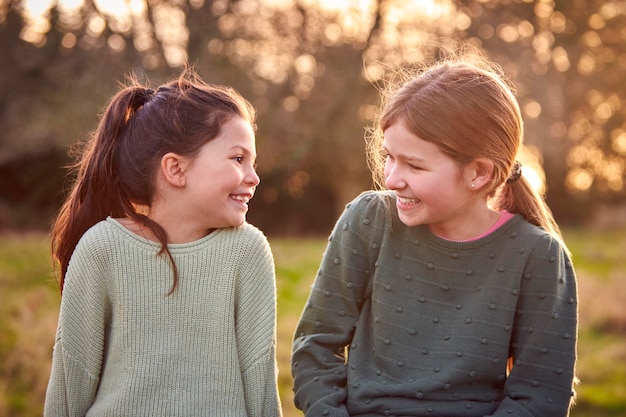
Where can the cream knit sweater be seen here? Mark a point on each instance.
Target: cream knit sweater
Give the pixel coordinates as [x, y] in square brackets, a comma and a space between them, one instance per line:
[125, 348]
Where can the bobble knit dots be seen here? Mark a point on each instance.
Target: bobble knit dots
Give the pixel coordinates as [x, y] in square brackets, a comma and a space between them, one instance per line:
[444, 309]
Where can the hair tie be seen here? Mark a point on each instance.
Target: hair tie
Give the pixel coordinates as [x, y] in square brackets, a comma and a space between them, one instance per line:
[516, 172]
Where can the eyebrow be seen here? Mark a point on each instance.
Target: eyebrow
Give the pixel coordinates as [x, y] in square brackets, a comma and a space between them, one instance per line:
[404, 157]
[244, 150]
[241, 148]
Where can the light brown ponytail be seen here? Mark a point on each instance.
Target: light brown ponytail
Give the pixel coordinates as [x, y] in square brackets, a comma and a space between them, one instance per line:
[520, 197]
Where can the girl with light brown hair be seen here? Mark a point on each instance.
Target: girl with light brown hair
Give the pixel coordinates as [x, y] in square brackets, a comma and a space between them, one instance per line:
[450, 294]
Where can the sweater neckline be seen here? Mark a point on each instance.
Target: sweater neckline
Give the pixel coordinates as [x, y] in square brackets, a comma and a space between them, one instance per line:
[424, 230]
[504, 229]
[173, 247]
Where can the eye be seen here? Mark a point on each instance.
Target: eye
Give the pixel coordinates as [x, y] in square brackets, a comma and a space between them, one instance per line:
[238, 158]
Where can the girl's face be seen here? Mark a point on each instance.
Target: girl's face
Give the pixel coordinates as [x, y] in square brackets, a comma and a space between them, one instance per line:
[221, 178]
[430, 186]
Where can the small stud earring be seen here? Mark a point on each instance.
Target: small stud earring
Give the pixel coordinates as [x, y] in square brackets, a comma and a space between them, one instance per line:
[473, 185]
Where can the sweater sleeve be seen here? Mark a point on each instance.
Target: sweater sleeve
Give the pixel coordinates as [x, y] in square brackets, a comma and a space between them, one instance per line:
[79, 343]
[256, 327]
[327, 323]
[543, 348]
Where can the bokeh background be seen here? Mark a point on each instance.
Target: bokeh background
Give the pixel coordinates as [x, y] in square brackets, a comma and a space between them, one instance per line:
[314, 70]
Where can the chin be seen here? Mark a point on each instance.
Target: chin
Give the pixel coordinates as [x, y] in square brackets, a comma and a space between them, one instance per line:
[238, 222]
[408, 221]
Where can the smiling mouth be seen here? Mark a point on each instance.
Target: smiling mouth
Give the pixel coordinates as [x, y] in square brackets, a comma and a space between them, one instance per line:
[245, 199]
[408, 201]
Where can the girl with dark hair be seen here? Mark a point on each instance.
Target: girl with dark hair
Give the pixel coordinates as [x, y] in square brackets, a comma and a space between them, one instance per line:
[168, 296]
[452, 293]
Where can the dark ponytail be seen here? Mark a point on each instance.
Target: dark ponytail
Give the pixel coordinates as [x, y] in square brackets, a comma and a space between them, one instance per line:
[95, 193]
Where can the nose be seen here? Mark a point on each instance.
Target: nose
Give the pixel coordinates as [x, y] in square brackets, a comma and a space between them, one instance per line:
[252, 178]
[393, 178]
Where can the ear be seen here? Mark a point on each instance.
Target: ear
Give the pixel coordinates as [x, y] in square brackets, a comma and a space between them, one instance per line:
[479, 173]
[173, 168]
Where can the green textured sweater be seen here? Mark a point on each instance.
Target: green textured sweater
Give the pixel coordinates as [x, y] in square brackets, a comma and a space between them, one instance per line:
[125, 348]
[400, 322]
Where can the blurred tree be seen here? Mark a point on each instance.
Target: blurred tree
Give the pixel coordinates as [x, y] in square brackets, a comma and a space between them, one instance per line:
[313, 67]
[568, 60]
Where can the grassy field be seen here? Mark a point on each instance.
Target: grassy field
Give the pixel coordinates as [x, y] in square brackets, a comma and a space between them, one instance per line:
[29, 308]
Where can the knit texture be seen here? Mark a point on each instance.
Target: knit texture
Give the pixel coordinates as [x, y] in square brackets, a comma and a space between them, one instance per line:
[125, 348]
[400, 322]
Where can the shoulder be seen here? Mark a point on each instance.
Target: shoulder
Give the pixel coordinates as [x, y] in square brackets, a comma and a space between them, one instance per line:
[247, 233]
[541, 243]
[99, 236]
[247, 238]
[532, 234]
[366, 217]
[371, 205]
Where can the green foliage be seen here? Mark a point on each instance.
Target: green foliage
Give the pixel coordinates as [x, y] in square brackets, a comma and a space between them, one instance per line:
[600, 253]
[604, 374]
[27, 321]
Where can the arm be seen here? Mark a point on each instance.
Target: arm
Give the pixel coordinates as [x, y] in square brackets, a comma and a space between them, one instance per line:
[543, 347]
[256, 328]
[79, 343]
[327, 323]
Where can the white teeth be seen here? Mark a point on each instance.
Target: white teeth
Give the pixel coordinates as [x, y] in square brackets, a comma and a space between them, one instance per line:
[405, 200]
[241, 198]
